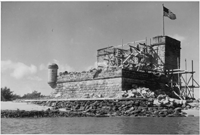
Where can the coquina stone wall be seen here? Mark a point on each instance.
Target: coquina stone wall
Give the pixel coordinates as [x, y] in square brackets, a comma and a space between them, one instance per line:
[100, 83]
[90, 88]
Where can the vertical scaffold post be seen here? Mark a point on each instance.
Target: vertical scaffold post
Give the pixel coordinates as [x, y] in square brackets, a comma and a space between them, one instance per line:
[150, 41]
[122, 54]
[97, 58]
[192, 81]
[178, 73]
[186, 77]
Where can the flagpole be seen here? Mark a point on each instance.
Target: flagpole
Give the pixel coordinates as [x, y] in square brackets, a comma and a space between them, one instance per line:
[163, 22]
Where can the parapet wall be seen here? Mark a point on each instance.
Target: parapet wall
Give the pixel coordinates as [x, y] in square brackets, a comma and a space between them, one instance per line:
[90, 75]
[102, 83]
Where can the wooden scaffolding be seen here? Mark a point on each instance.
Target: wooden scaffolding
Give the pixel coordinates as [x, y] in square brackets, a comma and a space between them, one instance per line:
[138, 56]
[180, 77]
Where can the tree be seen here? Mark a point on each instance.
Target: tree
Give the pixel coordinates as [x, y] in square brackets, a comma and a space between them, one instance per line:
[7, 94]
[32, 95]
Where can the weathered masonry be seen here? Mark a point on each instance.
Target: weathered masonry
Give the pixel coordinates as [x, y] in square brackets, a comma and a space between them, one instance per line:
[168, 49]
[99, 83]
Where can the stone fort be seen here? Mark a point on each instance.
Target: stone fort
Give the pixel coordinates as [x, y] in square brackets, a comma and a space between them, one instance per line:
[119, 69]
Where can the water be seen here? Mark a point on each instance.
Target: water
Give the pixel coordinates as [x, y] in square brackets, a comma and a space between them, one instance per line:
[108, 125]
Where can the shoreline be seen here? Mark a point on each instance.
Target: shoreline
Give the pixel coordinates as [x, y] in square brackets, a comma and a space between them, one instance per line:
[194, 112]
[21, 110]
[22, 106]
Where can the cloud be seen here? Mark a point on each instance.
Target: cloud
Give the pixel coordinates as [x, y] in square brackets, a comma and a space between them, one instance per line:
[63, 67]
[42, 67]
[6, 65]
[19, 70]
[179, 37]
[35, 78]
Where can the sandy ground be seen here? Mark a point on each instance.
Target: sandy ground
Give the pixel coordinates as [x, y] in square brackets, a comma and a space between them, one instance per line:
[21, 106]
[194, 112]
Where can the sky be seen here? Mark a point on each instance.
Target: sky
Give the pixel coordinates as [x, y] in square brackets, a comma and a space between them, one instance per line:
[35, 34]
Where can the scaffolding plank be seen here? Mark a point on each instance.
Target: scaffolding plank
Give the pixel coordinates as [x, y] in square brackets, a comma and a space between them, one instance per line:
[104, 48]
[106, 53]
[122, 49]
[190, 86]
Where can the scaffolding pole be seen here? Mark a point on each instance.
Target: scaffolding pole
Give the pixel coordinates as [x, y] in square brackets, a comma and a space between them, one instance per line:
[185, 78]
[192, 81]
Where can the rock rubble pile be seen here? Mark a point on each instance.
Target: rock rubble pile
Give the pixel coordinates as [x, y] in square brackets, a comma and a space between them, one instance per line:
[99, 108]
